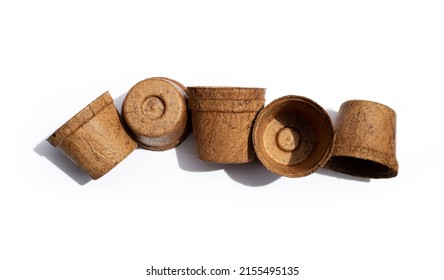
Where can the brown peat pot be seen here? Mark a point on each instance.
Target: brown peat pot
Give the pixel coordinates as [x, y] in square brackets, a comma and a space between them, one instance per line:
[222, 119]
[365, 140]
[293, 136]
[155, 110]
[94, 138]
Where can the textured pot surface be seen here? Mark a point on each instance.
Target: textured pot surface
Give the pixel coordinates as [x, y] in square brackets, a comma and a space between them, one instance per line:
[155, 110]
[95, 138]
[365, 140]
[293, 136]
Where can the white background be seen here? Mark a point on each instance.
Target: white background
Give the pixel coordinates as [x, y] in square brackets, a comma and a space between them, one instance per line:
[170, 209]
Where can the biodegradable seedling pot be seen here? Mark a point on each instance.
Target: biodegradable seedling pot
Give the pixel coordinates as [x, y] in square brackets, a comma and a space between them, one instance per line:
[94, 138]
[365, 140]
[293, 136]
[226, 93]
[155, 110]
[222, 119]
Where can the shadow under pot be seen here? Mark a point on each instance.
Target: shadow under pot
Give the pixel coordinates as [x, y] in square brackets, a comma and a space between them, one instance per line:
[94, 139]
[365, 140]
[293, 136]
[155, 111]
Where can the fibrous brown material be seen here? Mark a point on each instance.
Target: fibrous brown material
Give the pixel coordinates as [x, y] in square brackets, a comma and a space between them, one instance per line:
[365, 140]
[222, 119]
[293, 136]
[155, 110]
[94, 138]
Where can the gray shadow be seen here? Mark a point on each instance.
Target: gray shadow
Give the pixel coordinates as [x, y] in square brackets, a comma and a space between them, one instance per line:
[331, 173]
[186, 154]
[57, 158]
[252, 174]
[333, 115]
[118, 102]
